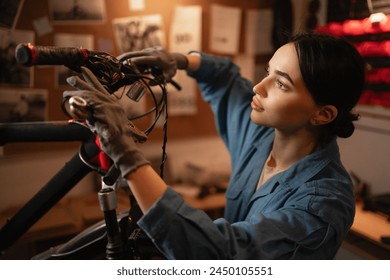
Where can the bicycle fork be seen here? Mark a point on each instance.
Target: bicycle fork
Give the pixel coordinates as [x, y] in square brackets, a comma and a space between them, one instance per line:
[108, 204]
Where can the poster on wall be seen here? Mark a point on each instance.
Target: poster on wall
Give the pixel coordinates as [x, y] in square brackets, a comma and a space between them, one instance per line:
[70, 40]
[9, 12]
[139, 32]
[259, 25]
[185, 35]
[186, 30]
[23, 105]
[225, 29]
[184, 101]
[12, 73]
[77, 11]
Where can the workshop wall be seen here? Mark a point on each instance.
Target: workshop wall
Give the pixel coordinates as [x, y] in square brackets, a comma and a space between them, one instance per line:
[183, 126]
[32, 164]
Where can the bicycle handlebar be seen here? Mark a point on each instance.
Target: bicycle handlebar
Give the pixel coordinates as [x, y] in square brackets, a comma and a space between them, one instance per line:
[110, 71]
[43, 132]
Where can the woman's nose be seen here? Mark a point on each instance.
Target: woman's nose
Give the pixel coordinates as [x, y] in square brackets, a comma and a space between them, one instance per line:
[259, 89]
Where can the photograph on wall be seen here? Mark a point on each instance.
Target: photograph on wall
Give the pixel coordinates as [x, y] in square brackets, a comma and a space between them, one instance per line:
[23, 105]
[70, 40]
[9, 12]
[137, 33]
[12, 73]
[77, 11]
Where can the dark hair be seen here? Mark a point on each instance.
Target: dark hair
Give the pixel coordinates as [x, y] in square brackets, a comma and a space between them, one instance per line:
[334, 73]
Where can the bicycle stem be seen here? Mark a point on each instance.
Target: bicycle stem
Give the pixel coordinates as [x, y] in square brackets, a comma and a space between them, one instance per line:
[108, 204]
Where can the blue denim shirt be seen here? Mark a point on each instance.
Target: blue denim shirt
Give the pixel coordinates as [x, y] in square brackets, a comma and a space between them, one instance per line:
[301, 213]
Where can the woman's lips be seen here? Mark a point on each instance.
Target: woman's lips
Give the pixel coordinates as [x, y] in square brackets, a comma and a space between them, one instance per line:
[256, 106]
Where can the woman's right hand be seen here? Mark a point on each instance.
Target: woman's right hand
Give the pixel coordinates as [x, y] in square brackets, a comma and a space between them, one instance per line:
[160, 60]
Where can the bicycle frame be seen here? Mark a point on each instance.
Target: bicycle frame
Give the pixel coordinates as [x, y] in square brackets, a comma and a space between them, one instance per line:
[59, 185]
[113, 73]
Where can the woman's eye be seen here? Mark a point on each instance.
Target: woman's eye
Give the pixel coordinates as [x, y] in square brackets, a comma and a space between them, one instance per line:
[280, 85]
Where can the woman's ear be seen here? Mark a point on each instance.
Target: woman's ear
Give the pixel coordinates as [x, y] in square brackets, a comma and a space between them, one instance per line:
[324, 115]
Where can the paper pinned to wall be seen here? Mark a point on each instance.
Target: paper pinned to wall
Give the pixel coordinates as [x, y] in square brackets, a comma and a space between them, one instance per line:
[185, 35]
[42, 26]
[247, 66]
[251, 70]
[137, 5]
[258, 39]
[186, 29]
[182, 102]
[225, 29]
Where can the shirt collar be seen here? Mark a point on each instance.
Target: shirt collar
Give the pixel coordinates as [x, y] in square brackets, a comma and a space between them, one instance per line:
[309, 166]
[301, 171]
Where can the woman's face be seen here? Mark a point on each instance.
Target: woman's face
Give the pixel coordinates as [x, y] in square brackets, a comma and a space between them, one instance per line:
[281, 99]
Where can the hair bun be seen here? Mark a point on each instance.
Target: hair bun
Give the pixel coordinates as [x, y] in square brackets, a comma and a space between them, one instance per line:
[344, 126]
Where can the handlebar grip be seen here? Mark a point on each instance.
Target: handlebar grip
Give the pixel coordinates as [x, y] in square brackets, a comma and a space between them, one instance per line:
[28, 55]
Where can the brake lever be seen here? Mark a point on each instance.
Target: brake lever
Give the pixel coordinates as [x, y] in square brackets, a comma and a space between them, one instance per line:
[137, 134]
[176, 85]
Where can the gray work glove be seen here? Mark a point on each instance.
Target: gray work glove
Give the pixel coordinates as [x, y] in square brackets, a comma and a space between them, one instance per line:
[107, 119]
[160, 59]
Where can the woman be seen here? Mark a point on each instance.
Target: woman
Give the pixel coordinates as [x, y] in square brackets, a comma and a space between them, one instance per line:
[289, 196]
